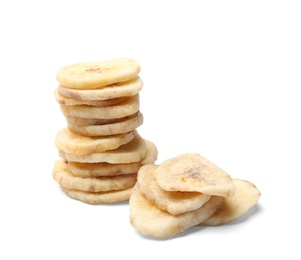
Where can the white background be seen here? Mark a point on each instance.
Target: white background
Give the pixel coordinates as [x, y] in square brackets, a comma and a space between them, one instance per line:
[221, 78]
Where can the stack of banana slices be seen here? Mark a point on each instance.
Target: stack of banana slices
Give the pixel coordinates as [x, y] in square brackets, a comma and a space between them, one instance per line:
[100, 148]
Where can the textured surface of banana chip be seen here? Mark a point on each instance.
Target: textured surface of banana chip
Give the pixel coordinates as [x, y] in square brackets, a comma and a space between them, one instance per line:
[174, 202]
[192, 172]
[91, 75]
[71, 142]
[66, 179]
[233, 208]
[149, 220]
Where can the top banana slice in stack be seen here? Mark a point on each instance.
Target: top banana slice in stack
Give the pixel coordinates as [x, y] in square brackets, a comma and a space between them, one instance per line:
[95, 75]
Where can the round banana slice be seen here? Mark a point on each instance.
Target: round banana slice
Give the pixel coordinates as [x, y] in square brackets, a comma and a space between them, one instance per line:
[79, 121]
[125, 126]
[134, 151]
[151, 221]
[63, 100]
[66, 179]
[233, 208]
[125, 108]
[102, 197]
[92, 75]
[116, 90]
[71, 142]
[109, 169]
[192, 172]
[174, 202]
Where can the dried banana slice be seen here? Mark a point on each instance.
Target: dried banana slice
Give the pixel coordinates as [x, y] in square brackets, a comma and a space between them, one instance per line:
[92, 75]
[192, 172]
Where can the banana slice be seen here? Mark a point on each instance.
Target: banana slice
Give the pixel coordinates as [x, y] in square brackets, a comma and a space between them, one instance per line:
[66, 179]
[63, 100]
[134, 151]
[108, 169]
[88, 170]
[71, 142]
[233, 208]
[116, 90]
[125, 108]
[120, 127]
[174, 202]
[151, 221]
[104, 197]
[93, 75]
[192, 172]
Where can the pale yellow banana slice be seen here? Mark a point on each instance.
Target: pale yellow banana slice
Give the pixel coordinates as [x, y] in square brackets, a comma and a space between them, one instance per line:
[192, 172]
[125, 108]
[116, 90]
[233, 208]
[174, 202]
[134, 151]
[71, 142]
[92, 75]
[149, 220]
[102, 169]
[109, 169]
[63, 100]
[66, 179]
[125, 126]
[104, 197]
[80, 121]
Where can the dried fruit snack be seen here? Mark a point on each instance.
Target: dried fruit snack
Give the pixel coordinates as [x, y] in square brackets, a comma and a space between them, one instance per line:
[192, 172]
[92, 75]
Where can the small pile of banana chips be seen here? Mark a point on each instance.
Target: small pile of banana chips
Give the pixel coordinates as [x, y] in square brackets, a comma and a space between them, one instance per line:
[100, 148]
[105, 160]
[186, 191]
